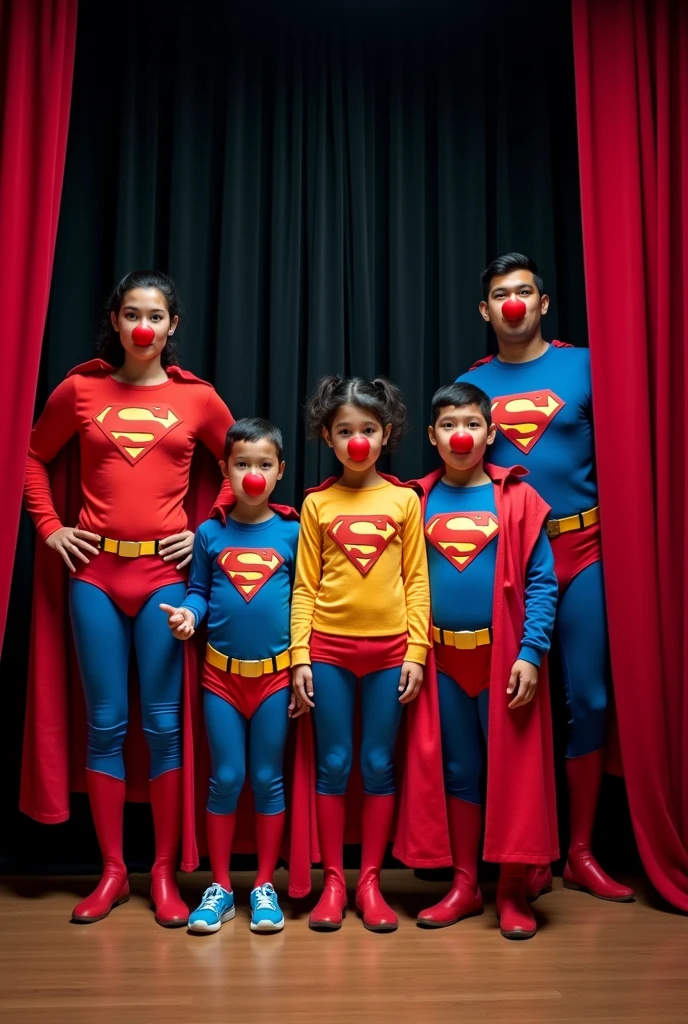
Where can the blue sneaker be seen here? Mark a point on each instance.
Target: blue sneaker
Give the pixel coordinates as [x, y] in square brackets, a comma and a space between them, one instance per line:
[216, 907]
[266, 915]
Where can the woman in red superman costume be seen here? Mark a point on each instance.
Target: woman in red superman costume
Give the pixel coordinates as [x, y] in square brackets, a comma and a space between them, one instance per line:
[138, 418]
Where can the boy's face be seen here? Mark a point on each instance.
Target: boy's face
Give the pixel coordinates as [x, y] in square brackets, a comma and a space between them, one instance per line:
[464, 419]
[518, 284]
[252, 457]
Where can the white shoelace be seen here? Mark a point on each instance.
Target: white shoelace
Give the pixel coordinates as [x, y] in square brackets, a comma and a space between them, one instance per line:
[266, 898]
[213, 898]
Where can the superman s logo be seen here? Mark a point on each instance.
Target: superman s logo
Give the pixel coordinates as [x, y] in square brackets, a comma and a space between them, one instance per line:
[363, 538]
[524, 418]
[461, 536]
[249, 569]
[136, 429]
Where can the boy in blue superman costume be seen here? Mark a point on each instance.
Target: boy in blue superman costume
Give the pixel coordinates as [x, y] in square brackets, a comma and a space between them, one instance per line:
[542, 409]
[241, 578]
[493, 595]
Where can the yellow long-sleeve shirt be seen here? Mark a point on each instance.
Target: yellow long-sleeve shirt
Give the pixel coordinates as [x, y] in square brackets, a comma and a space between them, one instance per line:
[361, 568]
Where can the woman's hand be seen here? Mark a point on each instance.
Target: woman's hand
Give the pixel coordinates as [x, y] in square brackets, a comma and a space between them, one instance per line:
[179, 545]
[69, 540]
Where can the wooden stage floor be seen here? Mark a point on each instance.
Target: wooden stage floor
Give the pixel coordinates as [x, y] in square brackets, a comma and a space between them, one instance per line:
[591, 961]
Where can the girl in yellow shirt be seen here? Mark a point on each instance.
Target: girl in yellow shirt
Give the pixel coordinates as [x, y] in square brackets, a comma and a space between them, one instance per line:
[360, 611]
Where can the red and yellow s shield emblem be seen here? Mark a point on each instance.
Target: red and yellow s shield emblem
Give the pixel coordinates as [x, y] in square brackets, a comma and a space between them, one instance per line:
[249, 569]
[461, 537]
[523, 419]
[363, 538]
[136, 429]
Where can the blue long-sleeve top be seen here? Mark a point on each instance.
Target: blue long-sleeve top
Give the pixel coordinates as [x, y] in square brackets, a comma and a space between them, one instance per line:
[462, 534]
[242, 577]
[543, 412]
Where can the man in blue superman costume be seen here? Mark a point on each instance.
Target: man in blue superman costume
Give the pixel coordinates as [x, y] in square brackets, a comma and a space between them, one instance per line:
[493, 592]
[542, 409]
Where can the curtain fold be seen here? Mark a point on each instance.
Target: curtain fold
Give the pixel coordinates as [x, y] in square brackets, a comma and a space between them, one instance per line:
[37, 42]
[631, 66]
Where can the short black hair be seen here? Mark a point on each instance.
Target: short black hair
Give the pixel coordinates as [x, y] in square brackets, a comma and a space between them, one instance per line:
[460, 395]
[504, 265]
[253, 428]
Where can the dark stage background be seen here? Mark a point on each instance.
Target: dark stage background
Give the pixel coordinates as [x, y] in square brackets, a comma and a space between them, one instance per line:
[325, 182]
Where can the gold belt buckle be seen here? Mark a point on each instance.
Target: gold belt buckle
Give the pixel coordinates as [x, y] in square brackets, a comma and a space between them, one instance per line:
[552, 528]
[129, 548]
[251, 669]
[465, 640]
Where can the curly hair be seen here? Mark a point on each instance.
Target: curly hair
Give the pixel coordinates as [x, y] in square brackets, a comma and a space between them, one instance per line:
[108, 345]
[378, 396]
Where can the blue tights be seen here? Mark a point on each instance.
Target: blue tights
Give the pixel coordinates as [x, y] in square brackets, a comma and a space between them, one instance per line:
[228, 735]
[581, 631]
[335, 697]
[463, 721]
[103, 637]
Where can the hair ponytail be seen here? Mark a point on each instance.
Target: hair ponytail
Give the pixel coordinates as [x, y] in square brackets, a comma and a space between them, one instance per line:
[379, 396]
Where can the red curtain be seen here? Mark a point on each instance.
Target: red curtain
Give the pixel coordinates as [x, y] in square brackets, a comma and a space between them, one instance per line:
[37, 39]
[631, 63]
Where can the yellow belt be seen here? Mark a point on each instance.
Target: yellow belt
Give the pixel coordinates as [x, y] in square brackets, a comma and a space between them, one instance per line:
[578, 522]
[129, 548]
[248, 669]
[464, 639]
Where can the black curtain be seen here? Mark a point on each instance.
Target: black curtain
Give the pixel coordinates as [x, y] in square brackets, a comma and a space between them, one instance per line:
[325, 182]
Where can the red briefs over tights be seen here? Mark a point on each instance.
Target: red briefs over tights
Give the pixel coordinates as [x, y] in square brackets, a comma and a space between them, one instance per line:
[243, 693]
[360, 655]
[470, 669]
[574, 552]
[129, 582]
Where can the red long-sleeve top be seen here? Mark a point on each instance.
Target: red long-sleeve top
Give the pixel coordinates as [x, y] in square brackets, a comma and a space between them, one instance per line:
[136, 445]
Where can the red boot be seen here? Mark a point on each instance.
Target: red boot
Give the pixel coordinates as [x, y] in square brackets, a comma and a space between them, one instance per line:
[269, 832]
[220, 832]
[106, 795]
[166, 804]
[538, 881]
[516, 919]
[376, 822]
[327, 914]
[464, 899]
[582, 871]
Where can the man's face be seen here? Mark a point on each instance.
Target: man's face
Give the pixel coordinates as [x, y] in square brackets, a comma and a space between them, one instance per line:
[519, 285]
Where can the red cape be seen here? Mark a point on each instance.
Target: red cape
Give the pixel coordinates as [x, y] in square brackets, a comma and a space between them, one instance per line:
[612, 751]
[521, 807]
[54, 752]
[488, 359]
[295, 848]
[420, 835]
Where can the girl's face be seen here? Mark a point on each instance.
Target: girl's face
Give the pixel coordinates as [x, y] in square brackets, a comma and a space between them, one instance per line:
[350, 421]
[146, 309]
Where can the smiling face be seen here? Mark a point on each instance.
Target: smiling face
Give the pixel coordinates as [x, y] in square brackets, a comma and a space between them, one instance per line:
[461, 420]
[146, 308]
[249, 459]
[516, 285]
[352, 422]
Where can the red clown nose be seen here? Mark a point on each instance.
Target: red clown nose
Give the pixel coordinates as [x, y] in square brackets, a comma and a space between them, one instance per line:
[461, 444]
[253, 484]
[358, 449]
[143, 336]
[513, 309]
